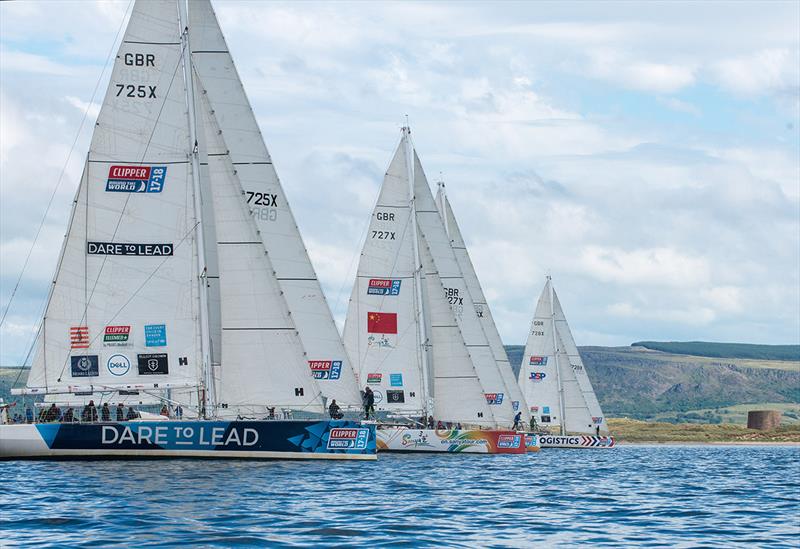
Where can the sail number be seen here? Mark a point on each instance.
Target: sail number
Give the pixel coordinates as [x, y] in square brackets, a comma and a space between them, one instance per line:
[262, 199]
[537, 333]
[451, 294]
[140, 60]
[383, 235]
[538, 322]
[139, 91]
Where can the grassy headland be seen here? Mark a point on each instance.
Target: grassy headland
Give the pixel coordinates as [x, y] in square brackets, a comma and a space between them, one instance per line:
[631, 430]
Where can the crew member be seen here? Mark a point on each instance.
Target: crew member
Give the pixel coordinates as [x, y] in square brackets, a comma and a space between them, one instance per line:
[335, 411]
[178, 412]
[105, 412]
[369, 402]
[131, 414]
[69, 416]
[517, 421]
[89, 414]
[120, 412]
[165, 411]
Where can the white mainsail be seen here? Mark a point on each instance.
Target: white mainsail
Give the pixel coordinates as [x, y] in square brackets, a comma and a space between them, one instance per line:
[550, 370]
[123, 304]
[482, 310]
[262, 192]
[402, 332]
[164, 285]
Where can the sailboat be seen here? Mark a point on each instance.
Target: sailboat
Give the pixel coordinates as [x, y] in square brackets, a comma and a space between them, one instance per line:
[183, 279]
[409, 333]
[555, 383]
[482, 310]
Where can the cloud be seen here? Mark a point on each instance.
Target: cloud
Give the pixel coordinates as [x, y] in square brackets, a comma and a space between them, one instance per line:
[638, 74]
[763, 72]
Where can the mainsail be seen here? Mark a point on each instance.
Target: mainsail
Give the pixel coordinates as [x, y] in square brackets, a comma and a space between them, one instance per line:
[552, 376]
[482, 310]
[401, 329]
[166, 284]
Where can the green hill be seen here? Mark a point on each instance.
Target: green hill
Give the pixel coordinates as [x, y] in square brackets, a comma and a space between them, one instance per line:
[638, 383]
[724, 350]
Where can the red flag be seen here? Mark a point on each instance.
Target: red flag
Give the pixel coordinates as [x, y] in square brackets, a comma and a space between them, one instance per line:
[382, 323]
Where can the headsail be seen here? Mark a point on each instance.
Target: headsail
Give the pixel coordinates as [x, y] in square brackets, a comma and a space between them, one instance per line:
[456, 293]
[482, 310]
[262, 192]
[123, 304]
[552, 376]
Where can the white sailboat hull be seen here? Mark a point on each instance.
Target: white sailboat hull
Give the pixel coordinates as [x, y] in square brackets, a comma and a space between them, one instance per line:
[190, 439]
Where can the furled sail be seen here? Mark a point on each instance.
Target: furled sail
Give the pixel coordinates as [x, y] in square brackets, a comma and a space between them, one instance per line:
[123, 306]
[482, 310]
[262, 192]
[549, 375]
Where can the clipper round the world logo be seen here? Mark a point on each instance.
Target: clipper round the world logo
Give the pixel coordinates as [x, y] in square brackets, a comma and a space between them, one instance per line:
[136, 179]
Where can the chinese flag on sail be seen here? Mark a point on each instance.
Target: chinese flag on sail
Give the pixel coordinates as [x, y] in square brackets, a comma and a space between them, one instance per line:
[382, 323]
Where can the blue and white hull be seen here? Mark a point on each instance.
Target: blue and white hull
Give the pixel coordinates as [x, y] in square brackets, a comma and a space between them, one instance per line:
[190, 439]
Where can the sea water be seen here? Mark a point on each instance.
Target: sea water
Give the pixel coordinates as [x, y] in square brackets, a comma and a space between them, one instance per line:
[677, 496]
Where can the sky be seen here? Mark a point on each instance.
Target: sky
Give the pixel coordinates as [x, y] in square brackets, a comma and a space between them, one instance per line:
[645, 155]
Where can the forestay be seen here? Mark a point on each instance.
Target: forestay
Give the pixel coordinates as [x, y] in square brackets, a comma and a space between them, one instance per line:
[482, 310]
[262, 192]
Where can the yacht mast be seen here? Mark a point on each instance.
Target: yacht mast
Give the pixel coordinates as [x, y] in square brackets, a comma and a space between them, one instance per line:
[207, 401]
[419, 305]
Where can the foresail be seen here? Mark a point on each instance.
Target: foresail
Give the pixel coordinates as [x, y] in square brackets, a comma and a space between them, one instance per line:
[266, 200]
[263, 361]
[381, 332]
[573, 359]
[124, 301]
[538, 373]
[482, 310]
[457, 391]
[455, 291]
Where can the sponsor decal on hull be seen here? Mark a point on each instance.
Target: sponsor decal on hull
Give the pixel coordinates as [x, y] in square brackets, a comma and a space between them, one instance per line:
[326, 437]
[450, 441]
[575, 441]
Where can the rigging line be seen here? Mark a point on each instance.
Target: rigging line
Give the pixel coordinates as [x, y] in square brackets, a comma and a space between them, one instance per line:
[134, 294]
[122, 213]
[64, 168]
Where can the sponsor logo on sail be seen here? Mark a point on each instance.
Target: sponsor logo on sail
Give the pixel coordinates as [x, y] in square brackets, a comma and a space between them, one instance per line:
[494, 398]
[79, 337]
[396, 380]
[155, 335]
[136, 179]
[395, 396]
[112, 248]
[509, 441]
[538, 361]
[383, 286]
[597, 420]
[515, 405]
[118, 365]
[325, 369]
[153, 364]
[348, 439]
[84, 366]
[537, 376]
[545, 409]
[374, 378]
[116, 336]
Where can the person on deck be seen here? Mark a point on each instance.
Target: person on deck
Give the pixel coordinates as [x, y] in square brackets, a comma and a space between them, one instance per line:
[120, 412]
[430, 422]
[105, 412]
[369, 402]
[132, 414]
[533, 424]
[165, 411]
[69, 416]
[440, 425]
[178, 412]
[89, 414]
[597, 430]
[517, 422]
[335, 411]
